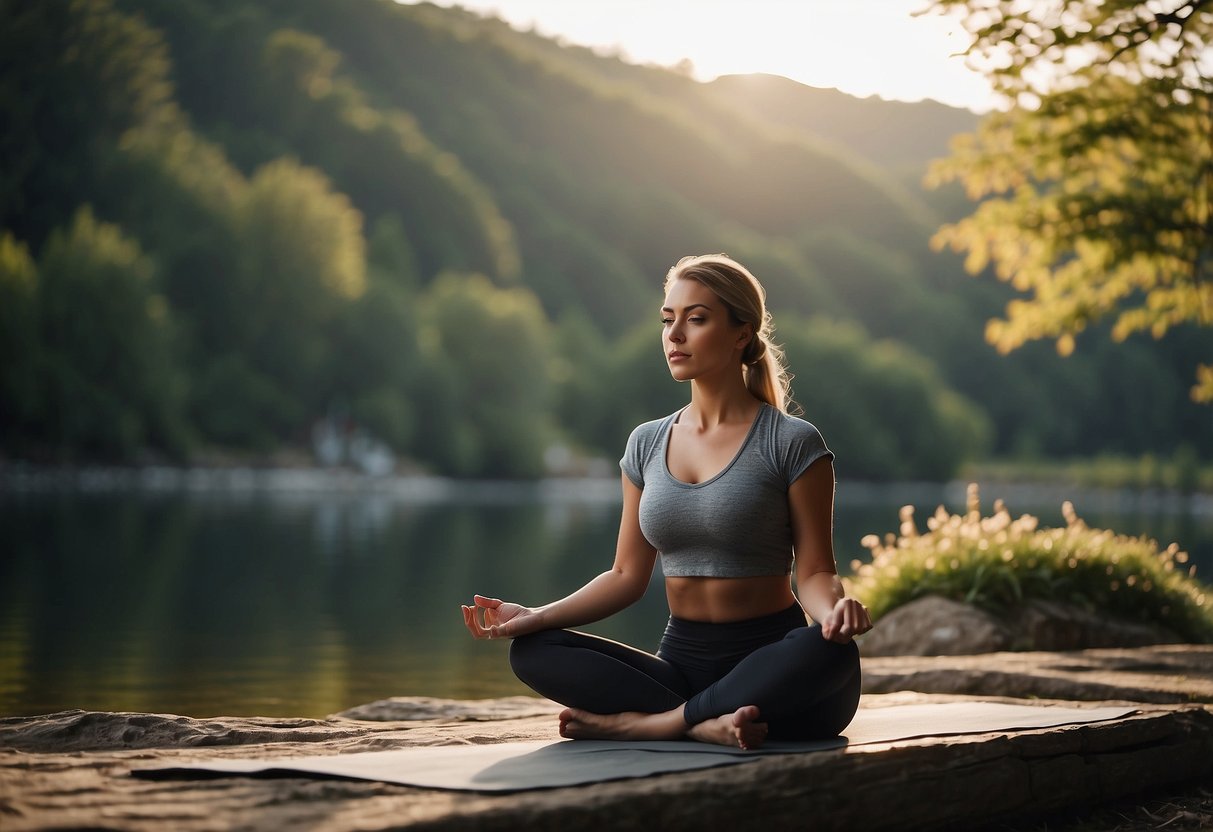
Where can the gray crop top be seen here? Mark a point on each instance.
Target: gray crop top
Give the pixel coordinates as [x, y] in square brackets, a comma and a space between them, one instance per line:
[736, 524]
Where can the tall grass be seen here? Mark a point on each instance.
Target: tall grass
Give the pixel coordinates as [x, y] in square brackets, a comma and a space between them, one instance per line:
[997, 562]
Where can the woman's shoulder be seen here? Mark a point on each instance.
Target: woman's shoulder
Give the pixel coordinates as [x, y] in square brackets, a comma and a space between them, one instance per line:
[789, 427]
[794, 443]
[649, 432]
[642, 447]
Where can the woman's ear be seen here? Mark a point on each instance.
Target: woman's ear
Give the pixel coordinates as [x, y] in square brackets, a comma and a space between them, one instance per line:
[746, 335]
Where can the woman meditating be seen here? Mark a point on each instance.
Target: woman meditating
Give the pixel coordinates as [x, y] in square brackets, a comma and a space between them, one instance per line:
[735, 495]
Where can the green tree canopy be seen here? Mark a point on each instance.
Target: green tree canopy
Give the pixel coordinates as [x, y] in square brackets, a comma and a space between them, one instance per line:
[1098, 179]
[74, 76]
[109, 380]
[487, 390]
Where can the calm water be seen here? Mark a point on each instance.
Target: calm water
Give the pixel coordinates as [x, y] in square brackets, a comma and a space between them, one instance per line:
[302, 604]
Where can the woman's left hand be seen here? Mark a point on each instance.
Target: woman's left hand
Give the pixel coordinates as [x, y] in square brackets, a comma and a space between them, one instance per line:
[848, 619]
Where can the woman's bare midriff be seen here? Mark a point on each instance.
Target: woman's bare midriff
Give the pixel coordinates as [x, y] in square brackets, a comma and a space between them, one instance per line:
[721, 600]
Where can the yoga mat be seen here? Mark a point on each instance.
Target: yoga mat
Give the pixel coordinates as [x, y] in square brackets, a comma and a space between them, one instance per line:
[521, 766]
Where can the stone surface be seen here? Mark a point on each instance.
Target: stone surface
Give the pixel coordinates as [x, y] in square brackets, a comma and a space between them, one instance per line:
[404, 708]
[71, 770]
[1164, 673]
[1048, 625]
[936, 626]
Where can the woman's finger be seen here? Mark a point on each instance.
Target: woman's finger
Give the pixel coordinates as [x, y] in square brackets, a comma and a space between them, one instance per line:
[473, 622]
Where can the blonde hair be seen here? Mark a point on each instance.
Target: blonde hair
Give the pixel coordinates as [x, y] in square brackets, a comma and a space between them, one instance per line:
[763, 367]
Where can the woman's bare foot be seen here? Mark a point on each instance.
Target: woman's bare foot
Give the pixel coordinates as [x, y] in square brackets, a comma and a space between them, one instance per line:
[740, 728]
[582, 725]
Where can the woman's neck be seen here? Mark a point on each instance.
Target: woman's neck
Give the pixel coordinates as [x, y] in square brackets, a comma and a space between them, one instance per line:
[718, 404]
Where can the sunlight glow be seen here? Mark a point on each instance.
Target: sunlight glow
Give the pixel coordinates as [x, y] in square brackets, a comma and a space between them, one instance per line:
[862, 47]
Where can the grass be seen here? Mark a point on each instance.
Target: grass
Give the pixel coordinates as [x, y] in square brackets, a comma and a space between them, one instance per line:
[997, 562]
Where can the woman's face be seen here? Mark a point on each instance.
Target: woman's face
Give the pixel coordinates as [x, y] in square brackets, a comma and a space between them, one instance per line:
[699, 338]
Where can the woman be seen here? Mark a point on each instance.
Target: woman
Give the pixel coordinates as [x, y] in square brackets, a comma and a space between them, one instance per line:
[726, 490]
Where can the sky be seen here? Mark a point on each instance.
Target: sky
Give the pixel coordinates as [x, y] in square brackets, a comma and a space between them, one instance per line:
[862, 47]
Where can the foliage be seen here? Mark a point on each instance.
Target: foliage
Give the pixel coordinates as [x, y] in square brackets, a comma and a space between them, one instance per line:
[20, 346]
[883, 410]
[1098, 181]
[375, 153]
[298, 177]
[485, 378]
[74, 76]
[303, 256]
[997, 562]
[107, 381]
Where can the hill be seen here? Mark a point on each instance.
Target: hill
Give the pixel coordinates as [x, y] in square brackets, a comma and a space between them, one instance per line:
[381, 214]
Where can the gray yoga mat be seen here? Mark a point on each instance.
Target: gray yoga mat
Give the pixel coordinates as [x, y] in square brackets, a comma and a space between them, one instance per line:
[520, 766]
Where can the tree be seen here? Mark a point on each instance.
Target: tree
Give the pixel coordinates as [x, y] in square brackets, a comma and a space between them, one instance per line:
[484, 390]
[20, 349]
[303, 258]
[109, 382]
[1098, 178]
[74, 76]
[883, 407]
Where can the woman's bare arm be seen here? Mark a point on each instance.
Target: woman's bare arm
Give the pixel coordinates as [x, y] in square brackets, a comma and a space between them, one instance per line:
[608, 593]
[811, 504]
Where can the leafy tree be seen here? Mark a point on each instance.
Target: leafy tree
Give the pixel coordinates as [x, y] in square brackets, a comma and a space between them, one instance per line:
[302, 258]
[1098, 179]
[376, 363]
[110, 383]
[882, 408]
[486, 384]
[20, 348]
[74, 76]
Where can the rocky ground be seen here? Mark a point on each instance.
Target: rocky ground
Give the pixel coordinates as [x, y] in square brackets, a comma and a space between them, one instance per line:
[72, 770]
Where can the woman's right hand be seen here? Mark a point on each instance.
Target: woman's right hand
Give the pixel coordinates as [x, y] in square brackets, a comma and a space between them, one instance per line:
[494, 618]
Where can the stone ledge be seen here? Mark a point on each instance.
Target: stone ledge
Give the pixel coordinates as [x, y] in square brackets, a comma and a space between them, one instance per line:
[1160, 674]
[921, 783]
[72, 770]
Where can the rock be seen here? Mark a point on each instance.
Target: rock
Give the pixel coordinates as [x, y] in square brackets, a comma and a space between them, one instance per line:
[1164, 673]
[936, 626]
[1049, 625]
[404, 708]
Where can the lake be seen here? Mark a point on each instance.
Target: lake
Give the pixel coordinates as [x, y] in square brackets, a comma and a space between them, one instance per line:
[247, 596]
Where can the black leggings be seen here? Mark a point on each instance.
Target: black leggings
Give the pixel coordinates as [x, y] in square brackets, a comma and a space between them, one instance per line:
[804, 686]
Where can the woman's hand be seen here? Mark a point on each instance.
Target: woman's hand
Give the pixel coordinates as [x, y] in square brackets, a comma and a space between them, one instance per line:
[848, 619]
[500, 618]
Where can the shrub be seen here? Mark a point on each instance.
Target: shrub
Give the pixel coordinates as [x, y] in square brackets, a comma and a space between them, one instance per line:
[997, 562]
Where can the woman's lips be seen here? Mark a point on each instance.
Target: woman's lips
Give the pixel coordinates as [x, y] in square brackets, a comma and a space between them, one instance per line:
[677, 356]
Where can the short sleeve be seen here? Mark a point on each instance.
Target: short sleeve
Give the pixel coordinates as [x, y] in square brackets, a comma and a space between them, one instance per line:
[800, 445]
[632, 463]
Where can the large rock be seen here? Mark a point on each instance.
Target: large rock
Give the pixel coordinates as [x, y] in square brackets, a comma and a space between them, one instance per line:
[1049, 625]
[936, 626]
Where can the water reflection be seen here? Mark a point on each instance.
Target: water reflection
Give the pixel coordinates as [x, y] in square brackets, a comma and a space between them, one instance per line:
[302, 604]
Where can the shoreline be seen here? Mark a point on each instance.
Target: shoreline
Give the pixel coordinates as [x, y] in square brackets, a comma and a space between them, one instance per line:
[416, 487]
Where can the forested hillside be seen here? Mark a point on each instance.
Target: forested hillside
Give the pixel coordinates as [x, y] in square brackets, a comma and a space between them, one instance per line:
[223, 221]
